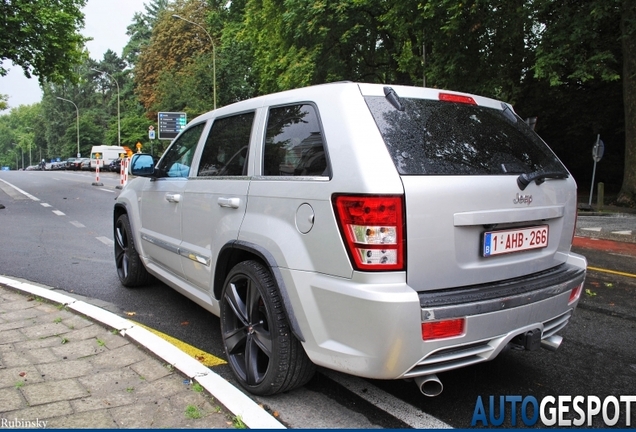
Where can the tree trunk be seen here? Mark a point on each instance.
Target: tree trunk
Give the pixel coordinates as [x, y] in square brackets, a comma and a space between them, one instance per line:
[627, 195]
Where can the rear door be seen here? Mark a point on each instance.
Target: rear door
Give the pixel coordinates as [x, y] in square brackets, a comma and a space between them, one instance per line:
[468, 220]
[216, 198]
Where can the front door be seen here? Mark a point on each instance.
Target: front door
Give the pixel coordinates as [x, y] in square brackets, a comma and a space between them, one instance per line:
[162, 199]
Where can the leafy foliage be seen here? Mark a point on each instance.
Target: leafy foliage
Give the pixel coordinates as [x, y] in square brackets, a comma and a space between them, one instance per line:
[140, 31]
[571, 63]
[42, 37]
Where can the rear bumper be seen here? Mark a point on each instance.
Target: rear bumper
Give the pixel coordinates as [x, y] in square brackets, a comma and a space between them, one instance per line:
[370, 325]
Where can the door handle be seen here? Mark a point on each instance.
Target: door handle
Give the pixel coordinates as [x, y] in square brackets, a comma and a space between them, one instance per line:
[229, 202]
[173, 198]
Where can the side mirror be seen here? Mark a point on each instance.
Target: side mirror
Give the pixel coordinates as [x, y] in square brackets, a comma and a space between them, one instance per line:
[142, 165]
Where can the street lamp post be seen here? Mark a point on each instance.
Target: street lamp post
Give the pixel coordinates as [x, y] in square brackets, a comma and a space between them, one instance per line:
[17, 164]
[213, 52]
[77, 110]
[118, 116]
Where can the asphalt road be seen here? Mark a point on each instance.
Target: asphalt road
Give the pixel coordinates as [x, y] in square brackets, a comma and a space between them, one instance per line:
[57, 231]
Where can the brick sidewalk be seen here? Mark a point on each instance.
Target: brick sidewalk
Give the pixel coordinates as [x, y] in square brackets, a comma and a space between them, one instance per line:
[65, 371]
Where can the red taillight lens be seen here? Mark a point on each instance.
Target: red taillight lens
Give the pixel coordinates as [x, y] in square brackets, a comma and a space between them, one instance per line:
[575, 294]
[449, 97]
[443, 329]
[373, 230]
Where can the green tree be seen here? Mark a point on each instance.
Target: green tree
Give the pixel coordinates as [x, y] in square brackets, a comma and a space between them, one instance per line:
[140, 30]
[302, 42]
[111, 77]
[42, 37]
[594, 40]
[20, 135]
[172, 46]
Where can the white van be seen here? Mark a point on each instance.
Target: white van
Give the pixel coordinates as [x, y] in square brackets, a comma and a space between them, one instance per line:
[107, 154]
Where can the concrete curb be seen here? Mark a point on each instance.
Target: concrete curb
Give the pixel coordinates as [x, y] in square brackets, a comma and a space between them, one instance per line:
[233, 399]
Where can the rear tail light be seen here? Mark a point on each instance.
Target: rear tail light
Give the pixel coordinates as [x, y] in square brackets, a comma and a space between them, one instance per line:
[575, 294]
[373, 230]
[443, 329]
[450, 97]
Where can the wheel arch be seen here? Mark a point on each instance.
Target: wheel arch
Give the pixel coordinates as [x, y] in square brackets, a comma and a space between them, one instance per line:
[238, 251]
[119, 210]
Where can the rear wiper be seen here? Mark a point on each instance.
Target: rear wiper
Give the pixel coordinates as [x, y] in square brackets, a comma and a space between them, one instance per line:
[539, 177]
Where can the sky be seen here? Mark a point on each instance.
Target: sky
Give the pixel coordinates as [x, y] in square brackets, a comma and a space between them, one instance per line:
[104, 20]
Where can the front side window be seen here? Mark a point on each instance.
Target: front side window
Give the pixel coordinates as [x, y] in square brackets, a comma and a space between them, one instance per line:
[177, 160]
[225, 151]
[294, 143]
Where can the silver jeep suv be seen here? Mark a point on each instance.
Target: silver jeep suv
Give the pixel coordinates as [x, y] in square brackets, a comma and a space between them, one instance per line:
[383, 231]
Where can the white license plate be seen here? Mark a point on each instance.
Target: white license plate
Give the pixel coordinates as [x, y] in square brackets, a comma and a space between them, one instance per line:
[516, 240]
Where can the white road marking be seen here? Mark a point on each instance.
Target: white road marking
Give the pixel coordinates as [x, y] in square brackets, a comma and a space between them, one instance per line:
[106, 241]
[21, 191]
[387, 402]
[595, 229]
[77, 224]
[59, 213]
[622, 232]
[45, 205]
[106, 190]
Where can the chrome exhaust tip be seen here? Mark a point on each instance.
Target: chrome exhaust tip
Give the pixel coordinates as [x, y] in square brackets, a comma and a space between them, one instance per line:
[552, 343]
[429, 385]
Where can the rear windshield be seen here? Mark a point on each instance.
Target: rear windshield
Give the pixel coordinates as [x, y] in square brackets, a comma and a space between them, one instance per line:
[444, 138]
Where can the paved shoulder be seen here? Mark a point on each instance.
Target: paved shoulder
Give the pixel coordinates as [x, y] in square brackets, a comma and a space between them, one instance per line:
[619, 227]
[58, 367]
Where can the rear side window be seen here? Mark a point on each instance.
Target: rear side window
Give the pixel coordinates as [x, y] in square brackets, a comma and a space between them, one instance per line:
[294, 143]
[225, 151]
[444, 138]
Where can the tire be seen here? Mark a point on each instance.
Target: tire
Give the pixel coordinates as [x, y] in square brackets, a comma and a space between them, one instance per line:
[130, 268]
[264, 355]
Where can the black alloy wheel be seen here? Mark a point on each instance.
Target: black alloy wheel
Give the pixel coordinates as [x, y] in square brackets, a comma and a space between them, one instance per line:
[130, 268]
[264, 355]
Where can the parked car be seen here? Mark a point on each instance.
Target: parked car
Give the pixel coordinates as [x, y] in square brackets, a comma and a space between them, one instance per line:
[77, 163]
[55, 166]
[69, 163]
[86, 164]
[388, 232]
[115, 166]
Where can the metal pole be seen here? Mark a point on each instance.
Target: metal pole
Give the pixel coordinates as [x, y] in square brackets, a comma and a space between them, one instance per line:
[77, 110]
[118, 116]
[423, 61]
[17, 163]
[598, 138]
[213, 52]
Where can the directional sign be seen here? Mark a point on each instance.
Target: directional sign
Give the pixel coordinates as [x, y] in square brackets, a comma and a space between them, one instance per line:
[170, 124]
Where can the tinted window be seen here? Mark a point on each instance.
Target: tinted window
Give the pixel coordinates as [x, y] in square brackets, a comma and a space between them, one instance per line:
[438, 138]
[294, 143]
[177, 160]
[225, 151]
